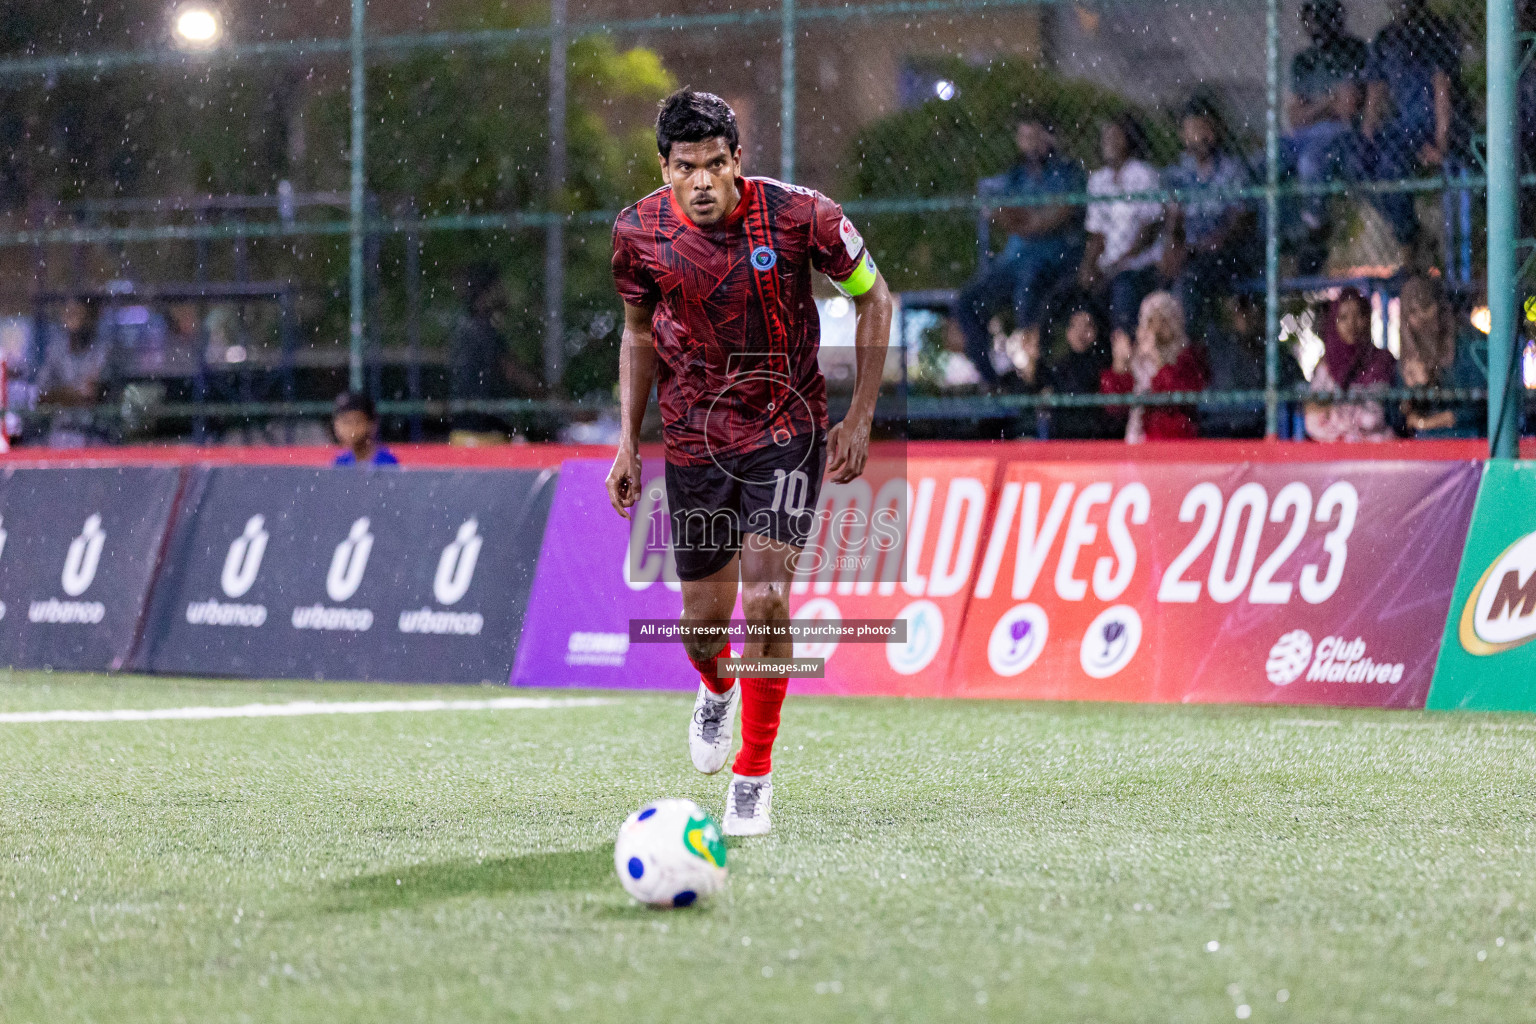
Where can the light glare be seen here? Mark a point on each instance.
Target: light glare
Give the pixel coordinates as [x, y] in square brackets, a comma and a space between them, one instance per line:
[198, 27]
[1482, 319]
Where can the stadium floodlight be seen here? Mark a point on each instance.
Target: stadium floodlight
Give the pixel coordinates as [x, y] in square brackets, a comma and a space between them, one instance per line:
[197, 26]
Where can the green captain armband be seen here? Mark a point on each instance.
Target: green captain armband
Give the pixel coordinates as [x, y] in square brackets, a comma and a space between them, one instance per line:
[862, 279]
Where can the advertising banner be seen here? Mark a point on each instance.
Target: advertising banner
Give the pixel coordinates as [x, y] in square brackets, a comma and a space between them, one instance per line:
[899, 543]
[78, 552]
[596, 573]
[1487, 661]
[1322, 583]
[412, 576]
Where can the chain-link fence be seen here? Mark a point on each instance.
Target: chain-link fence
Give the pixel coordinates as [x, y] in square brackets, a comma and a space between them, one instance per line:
[192, 243]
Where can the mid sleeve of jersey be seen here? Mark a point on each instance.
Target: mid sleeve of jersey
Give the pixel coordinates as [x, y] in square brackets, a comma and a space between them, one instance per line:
[838, 250]
[630, 274]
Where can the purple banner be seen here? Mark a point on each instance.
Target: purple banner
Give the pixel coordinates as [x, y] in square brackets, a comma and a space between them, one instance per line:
[596, 572]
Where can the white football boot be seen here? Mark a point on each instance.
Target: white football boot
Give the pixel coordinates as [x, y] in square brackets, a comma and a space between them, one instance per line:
[712, 728]
[747, 803]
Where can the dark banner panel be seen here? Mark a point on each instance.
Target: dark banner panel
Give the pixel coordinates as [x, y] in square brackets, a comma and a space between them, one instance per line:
[78, 551]
[410, 576]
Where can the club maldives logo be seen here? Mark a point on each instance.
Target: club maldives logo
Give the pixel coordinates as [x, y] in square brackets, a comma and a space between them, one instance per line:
[1333, 659]
[1111, 641]
[1500, 613]
[1017, 639]
[925, 632]
[1289, 658]
[764, 258]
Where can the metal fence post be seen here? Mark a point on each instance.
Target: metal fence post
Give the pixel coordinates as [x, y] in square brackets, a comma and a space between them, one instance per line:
[1503, 201]
[1271, 217]
[787, 90]
[355, 228]
[554, 231]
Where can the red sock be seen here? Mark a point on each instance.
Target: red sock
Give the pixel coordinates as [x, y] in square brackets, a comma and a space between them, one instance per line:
[710, 677]
[760, 702]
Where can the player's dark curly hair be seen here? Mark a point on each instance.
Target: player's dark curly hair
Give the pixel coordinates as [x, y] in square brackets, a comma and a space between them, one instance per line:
[688, 116]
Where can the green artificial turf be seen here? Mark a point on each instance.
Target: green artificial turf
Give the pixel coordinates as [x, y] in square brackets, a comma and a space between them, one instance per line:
[929, 861]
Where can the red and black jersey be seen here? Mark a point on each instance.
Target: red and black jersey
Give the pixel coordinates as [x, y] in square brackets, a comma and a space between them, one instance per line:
[735, 326]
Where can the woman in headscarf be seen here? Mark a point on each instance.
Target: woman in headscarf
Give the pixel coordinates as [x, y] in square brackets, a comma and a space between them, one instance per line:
[1432, 358]
[1352, 364]
[1164, 361]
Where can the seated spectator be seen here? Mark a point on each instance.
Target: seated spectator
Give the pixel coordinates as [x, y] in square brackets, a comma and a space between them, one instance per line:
[75, 375]
[1117, 379]
[1124, 237]
[1236, 358]
[1077, 372]
[1432, 356]
[1327, 93]
[356, 424]
[1412, 121]
[481, 366]
[1044, 246]
[1164, 361]
[1352, 364]
[1212, 244]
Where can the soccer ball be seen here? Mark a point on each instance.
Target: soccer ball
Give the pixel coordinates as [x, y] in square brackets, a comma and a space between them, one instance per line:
[669, 854]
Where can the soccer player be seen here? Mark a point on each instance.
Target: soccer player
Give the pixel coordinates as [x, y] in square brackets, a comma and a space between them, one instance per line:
[715, 270]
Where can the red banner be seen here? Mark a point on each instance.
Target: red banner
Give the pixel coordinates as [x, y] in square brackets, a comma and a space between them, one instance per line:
[900, 542]
[1292, 583]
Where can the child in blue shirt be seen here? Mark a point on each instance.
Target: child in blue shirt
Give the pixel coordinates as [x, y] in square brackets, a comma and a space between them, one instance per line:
[356, 424]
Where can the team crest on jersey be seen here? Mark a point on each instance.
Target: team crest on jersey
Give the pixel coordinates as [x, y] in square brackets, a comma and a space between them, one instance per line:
[764, 258]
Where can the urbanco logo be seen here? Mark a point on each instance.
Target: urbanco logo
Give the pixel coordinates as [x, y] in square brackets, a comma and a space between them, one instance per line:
[243, 562]
[83, 558]
[925, 633]
[1289, 658]
[1500, 613]
[349, 562]
[456, 566]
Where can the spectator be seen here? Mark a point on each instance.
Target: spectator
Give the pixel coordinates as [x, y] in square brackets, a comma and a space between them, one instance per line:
[481, 367]
[1237, 361]
[1327, 92]
[1411, 123]
[1352, 364]
[184, 339]
[1434, 357]
[1212, 244]
[1124, 237]
[1044, 246]
[1164, 361]
[356, 424]
[1117, 379]
[1077, 372]
[75, 375]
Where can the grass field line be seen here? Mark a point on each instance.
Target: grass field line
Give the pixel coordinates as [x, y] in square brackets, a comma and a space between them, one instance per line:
[298, 708]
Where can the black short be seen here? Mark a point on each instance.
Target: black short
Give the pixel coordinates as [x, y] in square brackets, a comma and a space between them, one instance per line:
[771, 491]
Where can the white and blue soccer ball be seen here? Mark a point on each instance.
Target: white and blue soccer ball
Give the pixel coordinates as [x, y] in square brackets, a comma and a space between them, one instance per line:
[670, 854]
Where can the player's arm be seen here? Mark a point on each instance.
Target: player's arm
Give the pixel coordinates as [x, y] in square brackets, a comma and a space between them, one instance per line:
[637, 373]
[848, 442]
